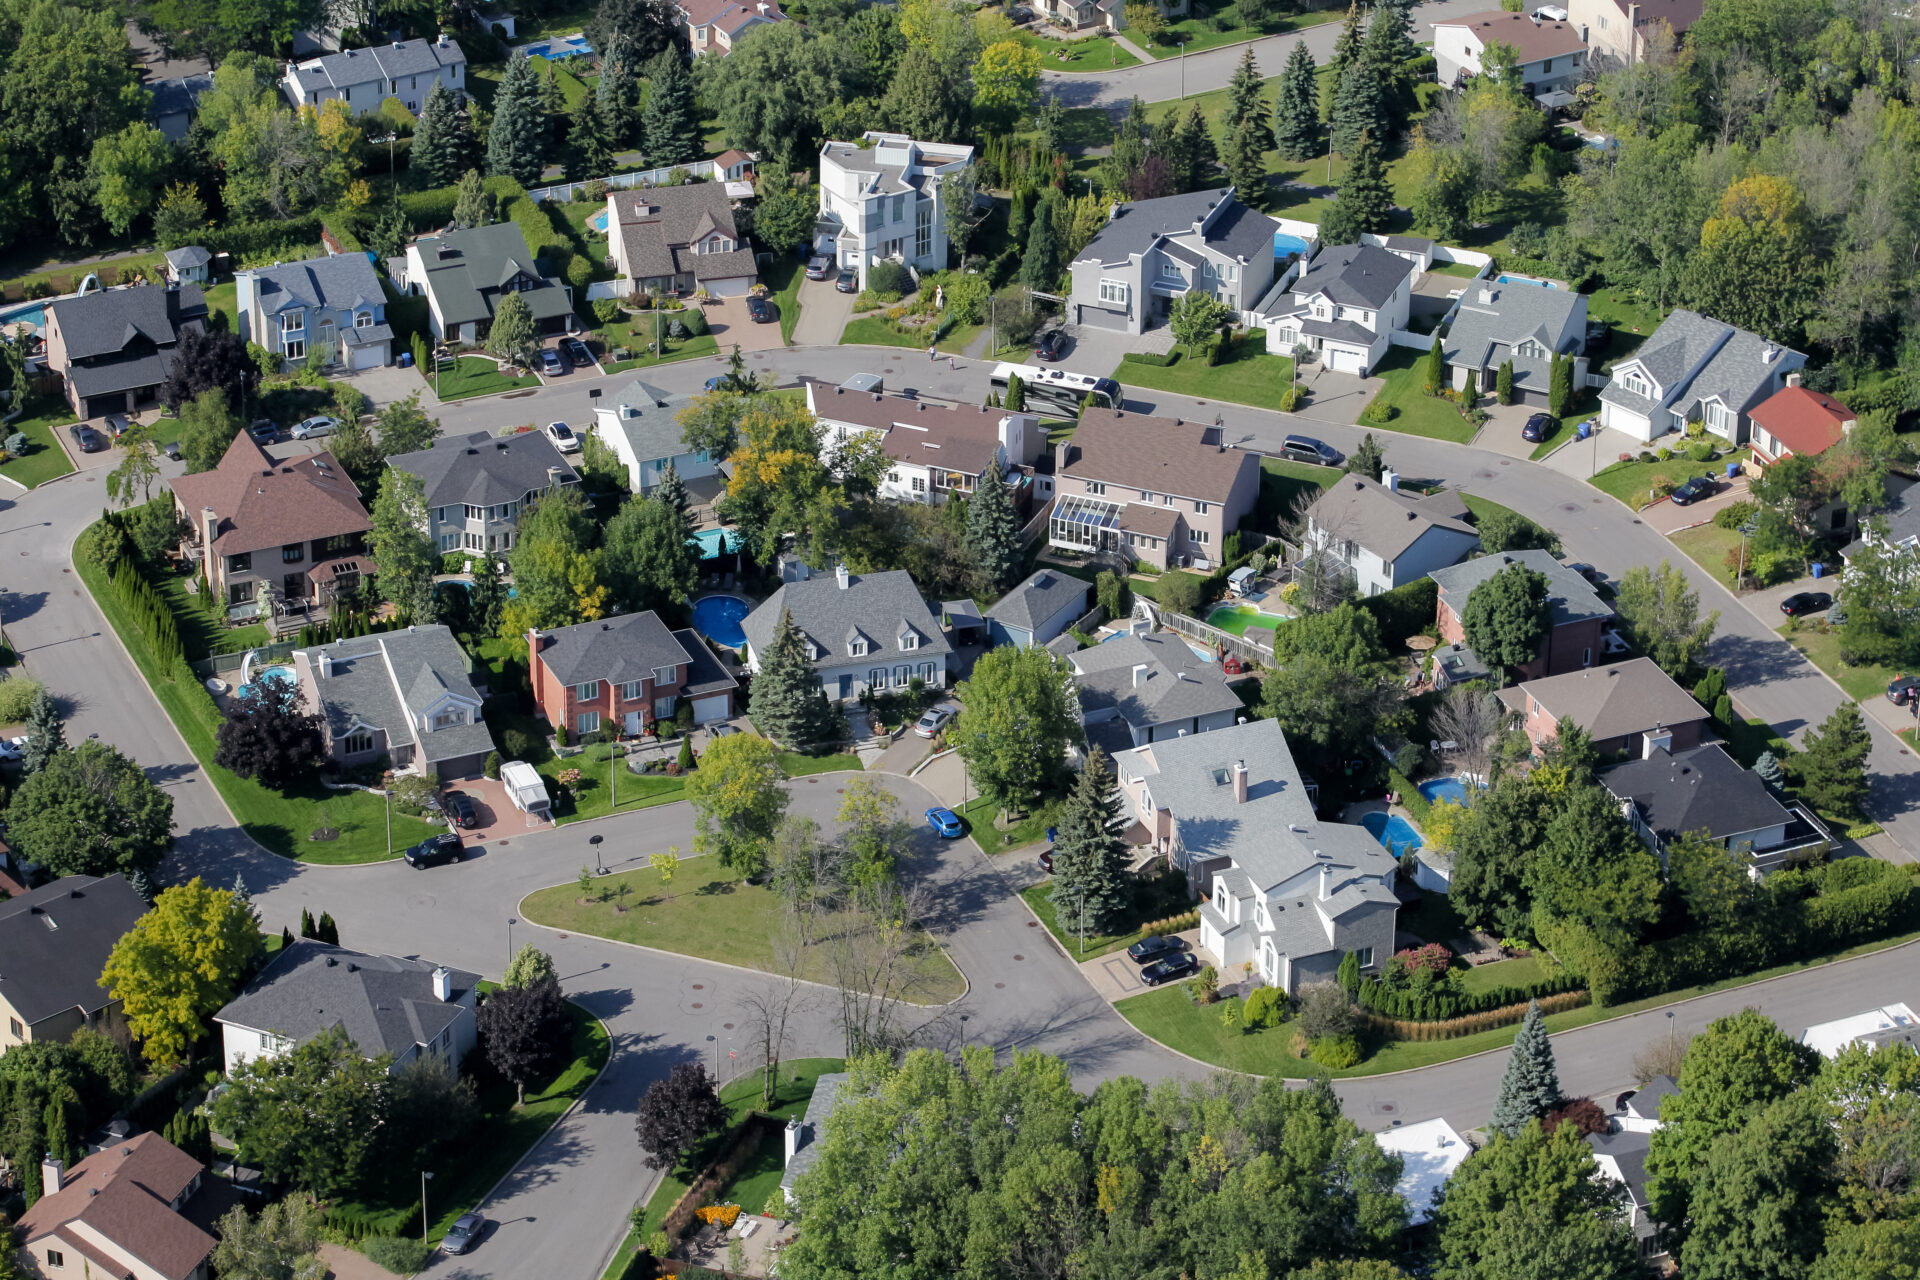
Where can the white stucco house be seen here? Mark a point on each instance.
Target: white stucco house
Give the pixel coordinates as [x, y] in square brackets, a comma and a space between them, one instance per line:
[1551, 54]
[1344, 306]
[364, 78]
[640, 423]
[1695, 368]
[882, 200]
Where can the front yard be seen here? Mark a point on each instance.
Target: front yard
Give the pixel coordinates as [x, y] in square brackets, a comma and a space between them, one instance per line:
[1092, 53]
[1632, 481]
[1248, 375]
[1821, 645]
[1707, 545]
[673, 350]
[1415, 412]
[1153, 900]
[1225, 27]
[476, 376]
[878, 331]
[982, 818]
[44, 459]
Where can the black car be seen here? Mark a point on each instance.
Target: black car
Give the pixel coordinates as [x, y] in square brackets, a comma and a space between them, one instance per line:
[87, 439]
[848, 281]
[1538, 428]
[577, 352]
[1307, 449]
[1599, 335]
[1693, 490]
[760, 311]
[1801, 603]
[1167, 970]
[1153, 948]
[1903, 690]
[1050, 345]
[459, 808]
[818, 266]
[436, 852]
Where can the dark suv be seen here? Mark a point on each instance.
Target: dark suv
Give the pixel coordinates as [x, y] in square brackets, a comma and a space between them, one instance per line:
[459, 808]
[436, 852]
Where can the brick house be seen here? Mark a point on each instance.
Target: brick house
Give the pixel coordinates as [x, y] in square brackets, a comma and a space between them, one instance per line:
[1625, 706]
[1798, 422]
[628, 672]
[1580, 617]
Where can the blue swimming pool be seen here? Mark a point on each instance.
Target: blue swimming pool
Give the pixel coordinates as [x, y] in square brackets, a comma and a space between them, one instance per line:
[1537, 283]
[1395, 834]
[568, 47]
[718, 618]
[35, 315]
[599, 222]
[715, 543]
[1285, 245]
[282, 675]
[1437, 789]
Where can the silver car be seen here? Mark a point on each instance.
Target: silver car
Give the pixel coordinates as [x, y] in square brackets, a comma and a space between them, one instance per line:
[464, 1233]
[309, 428]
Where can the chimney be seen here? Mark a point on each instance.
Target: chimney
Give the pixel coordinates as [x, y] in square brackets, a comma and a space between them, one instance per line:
[1391, 479]
[1768, 353]
[1240, 782]
[1486, 295]
[326, 665]
[443, 984]
[554, 475]
[793, 1140]
[1793, 379]
[1062, 455]
[53, 1172]
[1140, 670]
[443, 42]
[1658, 738]
[1326, 882]
[841, 577]
[209, 529]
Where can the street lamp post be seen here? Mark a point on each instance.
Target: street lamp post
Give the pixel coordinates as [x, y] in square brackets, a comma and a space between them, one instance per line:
[716, 1054]
[1746, 531]
[1183, 71]
[594, 843]
[424, 1227]
[510, 923]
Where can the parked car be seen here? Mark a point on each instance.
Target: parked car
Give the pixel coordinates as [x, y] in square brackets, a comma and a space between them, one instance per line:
[437, 851]
[1587, 571]
[848, 281]
[1538, 428]
[265, 430]
[1046, 861]
[945, 823]
[1307, 449]
[1168, 970]
[563, 437]
[933, 721]
[86, 439]
[172, 449]
[460, 808]
[11, 749]
[818, 266]
[1050, 345]
[576, 351]
[464, 1233]
[552, 363]
[117, 424]
[1801, 603]
[1900, 692]
[760, 311]
[1154, 947]
[1693, 490]
[1599, 335]
[318, 425]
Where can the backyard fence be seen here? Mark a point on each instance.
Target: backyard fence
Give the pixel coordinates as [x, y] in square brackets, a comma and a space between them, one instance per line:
[1239, 646]
[1091, 622]
[568, 192]
[222, 663]
[1037, 526]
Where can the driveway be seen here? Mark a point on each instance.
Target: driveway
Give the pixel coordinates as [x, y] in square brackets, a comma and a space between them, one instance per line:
[1669, 519]
[1501, 433]
[727, 319]
[1115, 976]
[824, 312]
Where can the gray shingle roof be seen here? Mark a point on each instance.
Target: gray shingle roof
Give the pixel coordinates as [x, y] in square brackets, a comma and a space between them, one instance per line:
[104, 323]
[876, 603]
[813, 1127]
[186, 257]
[1354, 275]
[1645, 1102]
[1484, 333]
[1571, 597]
[616, 650]
[385, 1004]
[1237, 231]
[341, 282]
[1348, 331]
[648, 417]
[656, 224]
[1629, 1150]
[54, 942]
[1704, 789]
[388, 681]
[1691, 357]
[485, 470]
[1176, 685]
[1386, 523]
[465, 269]
[1036, 600]
[705, 674]
[350, 67]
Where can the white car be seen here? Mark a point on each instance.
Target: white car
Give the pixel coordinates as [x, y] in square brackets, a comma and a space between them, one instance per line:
[563, 438]
[11, 749]
[320, 425]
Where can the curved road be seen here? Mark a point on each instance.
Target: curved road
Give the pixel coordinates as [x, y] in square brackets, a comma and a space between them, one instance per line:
[564, 1210]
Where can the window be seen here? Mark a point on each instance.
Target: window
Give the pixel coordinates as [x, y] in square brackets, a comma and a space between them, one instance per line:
[1166, 499]
[19, 1032]
[919, 484]
[1146, 495]
[1199, 536]
[55, 1258]
[1220, 896]
[1201, 508]
[242, 563]
[630, 691]
[293, 553]
[1720, 419]
[1114, 291]
[1170, 269]
[1632, 381]
[926, 672]
[475, 513]
[587, 691]
[358, 743]
[294, 348]
[666, 675]
[293, 322]
[857, 647]
[588, 722]
[910, 641]
[1586, 656]
[451, 718]
[1365, 956]
[899, 207]
[363, 319]
[901, 675]
[1096, 487]
[1547, 65]
[923, 229]
[877, 678]
[893, 477]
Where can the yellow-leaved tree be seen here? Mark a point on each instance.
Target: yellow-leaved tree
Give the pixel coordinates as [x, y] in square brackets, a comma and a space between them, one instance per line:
[179, 964]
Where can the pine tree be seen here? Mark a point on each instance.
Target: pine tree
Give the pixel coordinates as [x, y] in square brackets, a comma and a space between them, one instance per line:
[45, 733]
[1296, 108]
[326, 930]
[244, 896]
[788, 702]
[1531, 1086]
[1470, 394]
[1247, 163]
[1433, 374]
[1040, 267]
[1389, 44]
[1245, 99]
[473, 207]
[1199, 158]
[1090, 882]
[993, 531]
[1346, 49]
[306, 924]
[140, 884]
[616, 93]
[1359, 108]
[1366, 201]
[670, 124]
[442, 141]
[593, 140]
[517, 143]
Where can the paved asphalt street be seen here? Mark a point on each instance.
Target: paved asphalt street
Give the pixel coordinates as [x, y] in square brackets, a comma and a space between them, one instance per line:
[563, 1212]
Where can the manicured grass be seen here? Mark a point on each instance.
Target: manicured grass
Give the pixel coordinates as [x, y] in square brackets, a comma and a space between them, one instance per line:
[1632, 481]
[782, 278]
[797, 765]
[474, 376]
[1240, 620]
[1521, 972]
[1567, 429]
[984, 825]
[224, 299]
[591, 797]
[1415, 412]
[202, 634]
[1707, 545]
[1633, 322]
[675, 350]
[1199, 34]
[878, 331]
[1821, 645]
[704, 912]
[1282, 482]
[1153, 900]
[1247, 376]
[1095, 53]
[1480, 508]
[759, 1175]
[45, 460]
[1459, 270]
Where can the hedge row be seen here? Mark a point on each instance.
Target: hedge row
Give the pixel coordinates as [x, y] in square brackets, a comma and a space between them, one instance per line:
[1410, 798]
[544, 240]
[1444, 1006]
[1454, 1028]
[244, 238]
[1172, 924]
[1159, 360]
[433, 209]
[1404, 611]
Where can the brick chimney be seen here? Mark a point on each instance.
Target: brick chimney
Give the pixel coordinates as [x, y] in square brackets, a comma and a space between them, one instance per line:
[1240, 782]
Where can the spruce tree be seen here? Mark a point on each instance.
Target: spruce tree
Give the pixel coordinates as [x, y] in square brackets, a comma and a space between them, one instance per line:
[993, 531]
[1359, 108]
[243, 896]
[1198, 155]
[473, 207]
[616, 93]
[1433, 374]
[1531, 1086]
[442, 141]
[1090, 881]
[1470, 394]
[1365, 184]
[1296, 108]
[1389, 44]
[788, 703]
[592, 136]
[1247, 163]
[45, 733]
[1245, 99]
[1503, 383]
[1040, 268]
[517, 143]
[1346, 49]
[326, 930]
[1767, 769]
[141, 885]
[670, 124]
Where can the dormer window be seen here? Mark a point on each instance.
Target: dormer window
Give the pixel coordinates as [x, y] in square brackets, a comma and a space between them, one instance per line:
[451, 718]
[1632, 381]
[858, 647]
[363, 319]
[909, 640]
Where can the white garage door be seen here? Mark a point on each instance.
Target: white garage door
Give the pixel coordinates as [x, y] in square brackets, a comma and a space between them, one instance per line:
[370, 357]
[1346, 361]
[735, 287]
[707, 710]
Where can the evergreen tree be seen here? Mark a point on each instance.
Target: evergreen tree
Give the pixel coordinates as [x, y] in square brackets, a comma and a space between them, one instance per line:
[670, 123]
[473, 207]
[1767, 768]
[1369, 460]
[1531, 1086]
[1091, 887]
[1560, 385]
[326, 930]
[1199, 158]
[45, 733]
[1129, 151]
[788, 702]
[306, 924]
[1296, 108]
[1359, 108]
[1040, 268]
[1833, 762]
[993, 531]
[1470, 393]
[141, 885]
[1366, 200]
[1016, 401]
[1346, 49]
[1433, 374]
[286, 937]
[442, 141]
[593, 137]
[554, 103]
[1247, 163]
[1389, 44]
[1503, 383]
[389, 233]
[243, 898]
[1245, 99]
[616, 94]
[517, 143]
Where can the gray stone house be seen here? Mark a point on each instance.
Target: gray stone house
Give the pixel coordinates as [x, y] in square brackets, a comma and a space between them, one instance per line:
[1153, 251]
[476, 485]
[1524, 323]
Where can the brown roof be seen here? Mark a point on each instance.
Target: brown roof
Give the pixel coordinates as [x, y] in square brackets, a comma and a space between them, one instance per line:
[961, 437]
[1804, 420]
[1616, 700]
[1144, 517]
[656, 222]
[1161, 455]
[1531, 40]
[261, 503]
[728, 159]
[125, 1193]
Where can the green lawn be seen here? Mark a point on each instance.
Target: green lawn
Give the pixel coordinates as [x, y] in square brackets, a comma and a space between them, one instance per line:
[1459, 270]
[1095, 53]
[1281, 484]
[878, 331]
[474, 376]
[1564, 430]
[1747, 739]
[704, 912]
[759, 1174]
[782, 278]
[1247, 376]
[202, 634]
[982, 819]
[1632, 481]
[1521, 972]
[1821, 645]
[224, 299]
[1707, 545]
[1415, 412]
[1480, 508]
[1153, 900]
[798, 765]
[1199, 34]
[591, 796]
[676, 350]
[44, 460]
[1633, 321]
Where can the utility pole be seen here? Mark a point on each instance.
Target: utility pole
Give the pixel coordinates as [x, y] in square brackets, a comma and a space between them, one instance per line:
[1183, 71]
[424, 1226]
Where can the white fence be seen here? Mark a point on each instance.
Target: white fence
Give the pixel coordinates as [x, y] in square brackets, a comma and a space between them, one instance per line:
[1408, 338]
[608, 289]
[1239, 646]
[568, 192]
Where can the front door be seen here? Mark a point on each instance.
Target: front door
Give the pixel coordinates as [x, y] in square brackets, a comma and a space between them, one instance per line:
[846, 687]
[633, 723]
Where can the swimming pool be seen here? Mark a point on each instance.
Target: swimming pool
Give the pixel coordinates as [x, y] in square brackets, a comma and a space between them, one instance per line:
[1437, 789]
[715, 543]
[282, 675]
[1532, 280]
[599, 222]
[1238, 618]
[1285, 245]
[566, 47]
[35, 315]
[1395, 834]
[718, 618]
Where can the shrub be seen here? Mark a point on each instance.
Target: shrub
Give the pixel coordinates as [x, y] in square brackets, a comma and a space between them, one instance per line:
[398, 1254]
[1663, 454]
[492, 767]
[1409, 758]
[1336, 1053]
[1700, 451]
[16, 698]
[606, 310]
[18, 444]
[1735, 514]
[595, 192]
[580, 274]
[1646, 455]
[1378, 412]
[889, 277]
[1180, 592]
[1266, 1008]
[695, 322]
[1206, 984]
[677, 330]
[1158, 359]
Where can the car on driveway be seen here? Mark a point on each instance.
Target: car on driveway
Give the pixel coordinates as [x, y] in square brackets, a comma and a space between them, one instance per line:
[1173, 967]
[1154, 947]
[464, 1233]
[818, 266]
[1694, 490]
[945, 823]
[848, 281]
[576, 351]
[1801, 603]
[86, 439]
[1050, 345]
[437, 851]
[760, 311]
[460, 809]
[933, 721]
[264, 430]
[1306, 449]
[1537, 428]
[1900, 692]
[11, 749]
[563, 437]
[552, 363]
[308, 428]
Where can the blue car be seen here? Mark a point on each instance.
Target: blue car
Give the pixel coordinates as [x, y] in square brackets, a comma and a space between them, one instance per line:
[945, 823]
[713, 384]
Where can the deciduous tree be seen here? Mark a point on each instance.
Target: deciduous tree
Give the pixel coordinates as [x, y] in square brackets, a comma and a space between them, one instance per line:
[1759, 1205]
[179, 964]
[1506, 618]
[738, 799]
[1532, 1197]
[91, 812]
[1006, 80]
[401, 546]
[676, 1114]
[1660, 613]
[513, 336]
[1018, 715]
[309, 1117]
[651, 558]
[281, 1242]
[128, 168]
[206, 360]
[524, 1031]
[268, 734]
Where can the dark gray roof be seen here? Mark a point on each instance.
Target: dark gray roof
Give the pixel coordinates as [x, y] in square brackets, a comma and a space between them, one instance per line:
[1236, 231]
[1703, 789]
[1645, 1102]
[385, 1004]
[874, 603]
[341, 282]
[1460, 663]
[1629, 1151]
[961, 613]
[123, 375]
[813, 1127]
[1571, 597]
[705, 673]
[189, 256]
[103, 323]
[657, 226]
[1493, 319]
[1692, 357]
[1177, 684]
[54, 942]
[465, 269]
[384, 62]
[388, 681]
[1354, 275]
[1349, 331]
[649, 417]
[178, 96]
[485, 470]
[1409, 244]
[616, 650]
[1035, 601]
[365, 335]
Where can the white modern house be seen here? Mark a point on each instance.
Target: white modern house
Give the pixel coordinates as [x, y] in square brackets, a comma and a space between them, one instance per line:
[1890, 1024]
[1152, 252]
[1388, 537]
[882, 200]
[1343, 307]
[1695, 369]
[364, 78]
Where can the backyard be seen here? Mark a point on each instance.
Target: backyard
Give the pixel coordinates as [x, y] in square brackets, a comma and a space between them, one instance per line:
[1247, 375]
[469, 376]
[1153, 900]
[1632, 481]
[1414, 411]
[1282, 482]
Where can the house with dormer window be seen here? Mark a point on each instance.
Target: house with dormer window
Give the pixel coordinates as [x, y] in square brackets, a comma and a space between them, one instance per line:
[861, 631]
[112, 349]
[407, 695]
[333, 305]
[1695, 369]
[1343, 307]
[364, 78]
[1152, 252]
[627, 672]
[464, 273]
[1522, 323]
[933, 451]
[882, 199]
[670, 240]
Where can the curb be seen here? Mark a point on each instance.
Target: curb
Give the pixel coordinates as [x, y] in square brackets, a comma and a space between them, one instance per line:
[560, 1119]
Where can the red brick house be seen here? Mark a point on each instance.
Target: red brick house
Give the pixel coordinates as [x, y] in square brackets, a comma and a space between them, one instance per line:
[1580, 616]
[627, 672]
[1626, 706]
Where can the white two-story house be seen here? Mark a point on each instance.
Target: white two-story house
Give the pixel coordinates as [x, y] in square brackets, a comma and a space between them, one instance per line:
[364, 78]
[1551, 55]
[882, 199]
[332, 304]
[1695, 369]
[1151, 252]
[641, 424]
[1387, 537]
[1344, 307]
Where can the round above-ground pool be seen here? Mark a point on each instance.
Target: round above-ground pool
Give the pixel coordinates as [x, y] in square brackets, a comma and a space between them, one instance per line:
[1438, 789]
[1395, 834]
[718, 618]
[282, 674]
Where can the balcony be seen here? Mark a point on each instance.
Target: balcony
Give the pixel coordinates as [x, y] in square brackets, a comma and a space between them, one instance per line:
[1805, 836]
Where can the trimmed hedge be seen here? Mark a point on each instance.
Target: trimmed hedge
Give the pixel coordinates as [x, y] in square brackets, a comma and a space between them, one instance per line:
[1469, 1024]
[1443, 1006]
[243, 238]
[1404, 611]
[544, 239]
[1159, 361]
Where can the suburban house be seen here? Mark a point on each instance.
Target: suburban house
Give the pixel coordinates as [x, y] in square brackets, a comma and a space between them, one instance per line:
[1580, 616]
[1523, 323]
[54, 942]
[175, 103]
[330, 304]
[1617, 31]
[296, 526]
[1388, 537]
[364, 78]
[1037, 610]
[626, 672]
[672, 240]
[406, 695]
[1892, 1024]
[1895, 526]
[1342, 307]
[1075, 14]
[188, 264]
[1278, 886]
[1797, 422]
[112, 349]
[712, 26]
[883, 199]
[142, 1209]
[1704, 791]
[804, 1135]
[385, 1004]
[1694, 369]
[861, 631]
[1621, 1157]
[1551, 55]
[933, 451]
[476, 485]
[1640, 1112]
[1152, 251]
[1626, 706]
[1430, 1151]
[1157, 489]
[641, 424]
[464, 274]
[1150, 688]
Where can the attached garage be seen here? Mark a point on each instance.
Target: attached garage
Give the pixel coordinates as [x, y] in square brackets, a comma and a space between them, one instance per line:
[716, 706]
[1345, 359]
[369, 346]
[1101, 318]
[731, 287]
[98, 406]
